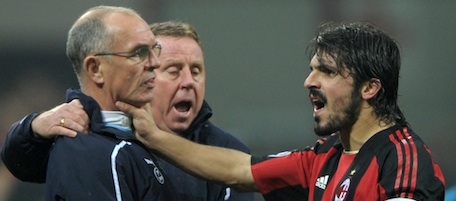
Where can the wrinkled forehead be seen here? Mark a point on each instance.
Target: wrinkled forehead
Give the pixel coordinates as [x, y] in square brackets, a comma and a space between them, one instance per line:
[180, 45]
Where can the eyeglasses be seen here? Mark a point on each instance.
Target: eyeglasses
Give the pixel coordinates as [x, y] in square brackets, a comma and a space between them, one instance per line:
[142, 53]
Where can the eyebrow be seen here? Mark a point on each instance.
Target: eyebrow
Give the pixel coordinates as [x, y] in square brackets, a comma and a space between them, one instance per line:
[179, 62]
[321, 66]
[326, 66]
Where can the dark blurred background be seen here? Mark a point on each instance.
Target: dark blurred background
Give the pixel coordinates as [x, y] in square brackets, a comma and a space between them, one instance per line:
[256, 64]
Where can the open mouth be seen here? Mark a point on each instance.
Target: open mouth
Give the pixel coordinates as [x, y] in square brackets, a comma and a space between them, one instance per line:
[183, 106]
[318, 100]
[318, 104]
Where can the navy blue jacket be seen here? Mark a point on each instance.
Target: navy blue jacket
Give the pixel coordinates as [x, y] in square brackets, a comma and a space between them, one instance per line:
[107, 164]
[26, 157]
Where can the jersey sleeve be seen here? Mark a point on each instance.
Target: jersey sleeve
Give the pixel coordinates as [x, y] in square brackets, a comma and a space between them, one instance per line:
[284, 176]
[23, 154]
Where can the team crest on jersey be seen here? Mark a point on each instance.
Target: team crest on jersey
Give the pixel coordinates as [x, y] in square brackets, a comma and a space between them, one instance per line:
[342, 191]
[159, 176]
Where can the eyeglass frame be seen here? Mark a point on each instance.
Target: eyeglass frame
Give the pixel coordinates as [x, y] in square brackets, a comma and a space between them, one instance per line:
[134, 53]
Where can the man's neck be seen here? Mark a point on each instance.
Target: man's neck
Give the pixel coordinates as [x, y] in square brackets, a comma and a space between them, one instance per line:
[364, 128]
[102, 97]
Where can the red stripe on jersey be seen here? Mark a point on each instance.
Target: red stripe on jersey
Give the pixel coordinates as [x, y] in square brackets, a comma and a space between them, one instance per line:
[400, 162]
[407, 170]
[414, 166]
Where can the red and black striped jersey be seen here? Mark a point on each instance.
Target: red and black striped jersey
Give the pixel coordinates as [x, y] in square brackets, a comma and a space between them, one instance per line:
[393, 163]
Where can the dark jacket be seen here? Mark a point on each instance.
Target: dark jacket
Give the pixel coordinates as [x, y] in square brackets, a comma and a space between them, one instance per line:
[26, 157]
[106, 164]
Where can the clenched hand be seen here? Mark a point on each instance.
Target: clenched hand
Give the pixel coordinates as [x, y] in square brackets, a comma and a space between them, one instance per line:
[65, 119]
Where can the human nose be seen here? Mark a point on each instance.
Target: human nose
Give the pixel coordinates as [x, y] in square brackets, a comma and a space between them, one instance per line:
[153, 61]
[311, 81]
[187, 79]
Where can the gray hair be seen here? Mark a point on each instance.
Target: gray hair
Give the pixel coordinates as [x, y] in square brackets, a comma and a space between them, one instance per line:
[89, 34]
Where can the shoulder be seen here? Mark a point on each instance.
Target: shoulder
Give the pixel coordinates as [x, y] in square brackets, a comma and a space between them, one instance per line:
[397, 140]
[404, 159]
[82, 146]
[323, 145]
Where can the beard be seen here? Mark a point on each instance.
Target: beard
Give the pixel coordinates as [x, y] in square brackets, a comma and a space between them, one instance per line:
[346, 113]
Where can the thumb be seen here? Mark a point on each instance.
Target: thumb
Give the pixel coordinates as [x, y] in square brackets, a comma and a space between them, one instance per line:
[125, 107]
[76, 102]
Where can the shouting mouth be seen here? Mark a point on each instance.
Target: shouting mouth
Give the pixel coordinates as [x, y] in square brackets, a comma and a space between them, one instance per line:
[318, 101]
[183, 106]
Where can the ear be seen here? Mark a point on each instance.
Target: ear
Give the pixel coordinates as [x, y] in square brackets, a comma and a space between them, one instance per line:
[371, 88]
[93, 69]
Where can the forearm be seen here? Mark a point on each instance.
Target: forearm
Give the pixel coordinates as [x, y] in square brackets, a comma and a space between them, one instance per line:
[228, 166]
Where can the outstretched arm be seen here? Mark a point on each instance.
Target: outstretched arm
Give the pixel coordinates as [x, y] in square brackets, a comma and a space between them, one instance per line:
[228, 166]
[28, 142]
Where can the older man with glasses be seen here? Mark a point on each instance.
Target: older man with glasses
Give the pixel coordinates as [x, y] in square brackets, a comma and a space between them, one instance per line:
[114, 54]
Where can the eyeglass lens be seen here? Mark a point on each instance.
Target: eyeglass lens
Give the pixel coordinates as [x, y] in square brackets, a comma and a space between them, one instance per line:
[144, 52]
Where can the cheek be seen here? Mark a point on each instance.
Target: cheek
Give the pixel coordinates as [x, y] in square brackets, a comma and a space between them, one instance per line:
[163, 93]
[155, 104]
[163, 87]
[200, 91]
[127, 77]
[337, 97]
[342, 101]
[200, 88]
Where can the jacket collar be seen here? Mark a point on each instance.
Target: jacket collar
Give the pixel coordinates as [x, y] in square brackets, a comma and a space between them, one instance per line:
[93, 110]
[203, 116]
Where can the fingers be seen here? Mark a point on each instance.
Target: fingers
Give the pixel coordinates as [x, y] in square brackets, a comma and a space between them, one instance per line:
[76, 103]
[140, 115]
[79, 121]
[142, 118]
[72, 116]
[69, 127]
[127, 108]
[66, 119]
[132, 110]
[65, 131]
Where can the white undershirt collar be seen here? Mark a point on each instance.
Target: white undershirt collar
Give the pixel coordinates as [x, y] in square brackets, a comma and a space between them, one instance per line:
[116, 119]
